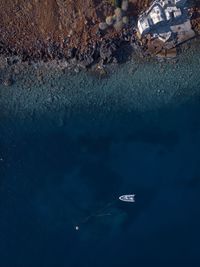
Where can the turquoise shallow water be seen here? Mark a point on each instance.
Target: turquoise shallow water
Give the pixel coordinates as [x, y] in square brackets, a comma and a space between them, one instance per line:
[73, 142]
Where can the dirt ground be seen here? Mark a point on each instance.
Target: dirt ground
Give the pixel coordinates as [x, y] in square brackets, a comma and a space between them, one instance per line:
[24, 22]
[24, 25]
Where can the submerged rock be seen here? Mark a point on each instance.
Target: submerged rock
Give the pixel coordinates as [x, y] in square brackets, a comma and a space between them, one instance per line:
[7, 81]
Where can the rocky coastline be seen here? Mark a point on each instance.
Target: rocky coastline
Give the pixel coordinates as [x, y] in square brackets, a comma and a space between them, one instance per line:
[107, 47]
[104, 51]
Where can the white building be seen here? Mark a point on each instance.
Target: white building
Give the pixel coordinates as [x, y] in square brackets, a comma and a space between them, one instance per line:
[172, 12]
[159, 13]
[168, 25]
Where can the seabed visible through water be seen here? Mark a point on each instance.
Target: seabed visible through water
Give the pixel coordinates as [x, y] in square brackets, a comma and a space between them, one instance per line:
[71, 143]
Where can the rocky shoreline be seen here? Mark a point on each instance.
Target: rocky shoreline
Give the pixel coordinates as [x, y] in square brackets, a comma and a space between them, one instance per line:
[116, 49]
[104, 51]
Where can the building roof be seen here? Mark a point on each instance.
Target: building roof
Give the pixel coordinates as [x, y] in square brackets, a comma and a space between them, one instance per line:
[143, 25]
[179, 2]
[172, 12]
[172, 2]
[156, 14]
[177, 13]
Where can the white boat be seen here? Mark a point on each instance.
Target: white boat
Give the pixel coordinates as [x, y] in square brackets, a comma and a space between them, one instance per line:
[127, 198]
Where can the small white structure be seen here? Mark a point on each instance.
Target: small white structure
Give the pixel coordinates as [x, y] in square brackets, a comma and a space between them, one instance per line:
[156, 15]
[143, 25]
[163, 3]
[172, 12]
[177, 13]
[164, 37]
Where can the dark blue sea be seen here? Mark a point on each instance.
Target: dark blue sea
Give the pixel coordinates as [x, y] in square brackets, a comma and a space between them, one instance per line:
[72, 143]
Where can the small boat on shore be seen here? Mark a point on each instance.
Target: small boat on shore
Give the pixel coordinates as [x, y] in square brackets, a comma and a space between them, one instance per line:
[127, 198]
